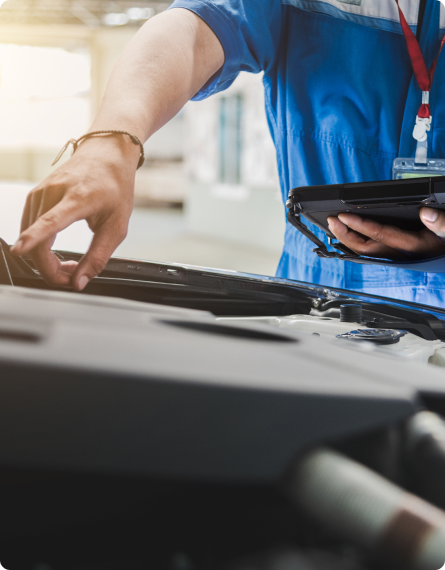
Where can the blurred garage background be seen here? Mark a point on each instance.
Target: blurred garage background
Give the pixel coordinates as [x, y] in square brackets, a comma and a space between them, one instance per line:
[208, 193]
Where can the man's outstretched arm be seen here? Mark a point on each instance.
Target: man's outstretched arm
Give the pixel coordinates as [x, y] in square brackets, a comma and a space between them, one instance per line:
[165, 64]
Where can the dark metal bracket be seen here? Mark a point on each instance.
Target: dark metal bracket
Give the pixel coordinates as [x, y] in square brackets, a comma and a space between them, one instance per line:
[321, 250]
[424, 331]
[13, 268]
[5, 273]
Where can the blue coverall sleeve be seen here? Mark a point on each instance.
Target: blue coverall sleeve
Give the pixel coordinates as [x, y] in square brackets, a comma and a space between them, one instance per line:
[249, 32]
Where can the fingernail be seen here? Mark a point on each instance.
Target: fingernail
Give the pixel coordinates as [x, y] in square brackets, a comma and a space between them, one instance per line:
[82, 283]
[429, 215]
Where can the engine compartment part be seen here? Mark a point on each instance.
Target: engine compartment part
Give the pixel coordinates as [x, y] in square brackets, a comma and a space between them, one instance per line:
[234, 406]
[361, 505]
[350, 313]
[409, 346]
[417, 319]
[378, 336]
[300, 559]
[425, 455]
[424, 331]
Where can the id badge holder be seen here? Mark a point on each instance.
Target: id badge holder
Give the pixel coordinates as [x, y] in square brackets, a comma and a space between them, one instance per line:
[403, 168]
[420, 165]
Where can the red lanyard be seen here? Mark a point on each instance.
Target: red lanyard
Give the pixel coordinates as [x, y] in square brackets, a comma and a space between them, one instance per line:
[423, 75]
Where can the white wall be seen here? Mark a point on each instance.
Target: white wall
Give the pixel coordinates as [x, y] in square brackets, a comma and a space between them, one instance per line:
[251, 213]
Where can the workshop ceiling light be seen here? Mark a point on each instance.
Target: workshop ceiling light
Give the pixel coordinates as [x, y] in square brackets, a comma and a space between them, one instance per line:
[135, 14]
[114, 19]
[91, 13]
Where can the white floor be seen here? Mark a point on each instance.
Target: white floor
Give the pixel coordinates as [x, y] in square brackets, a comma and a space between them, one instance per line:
[154, 234]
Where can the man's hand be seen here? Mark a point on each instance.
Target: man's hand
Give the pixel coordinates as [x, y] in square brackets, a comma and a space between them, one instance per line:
[372, 239]
[97, 185]
[170, 58]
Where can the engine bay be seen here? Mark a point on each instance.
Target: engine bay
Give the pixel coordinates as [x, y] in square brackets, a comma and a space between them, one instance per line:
[187, 418]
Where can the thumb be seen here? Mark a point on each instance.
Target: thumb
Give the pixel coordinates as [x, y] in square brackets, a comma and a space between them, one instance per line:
[434, 220]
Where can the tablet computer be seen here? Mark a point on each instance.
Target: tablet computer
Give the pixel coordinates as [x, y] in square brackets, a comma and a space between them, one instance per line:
[392, 202]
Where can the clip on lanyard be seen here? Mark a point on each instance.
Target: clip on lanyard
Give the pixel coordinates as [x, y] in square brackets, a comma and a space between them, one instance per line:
[424, 79]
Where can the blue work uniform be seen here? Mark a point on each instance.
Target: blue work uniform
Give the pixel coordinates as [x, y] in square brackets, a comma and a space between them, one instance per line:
[341, 102]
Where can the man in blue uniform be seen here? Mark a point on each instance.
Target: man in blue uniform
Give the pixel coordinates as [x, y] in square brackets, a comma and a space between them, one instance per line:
[341, 102]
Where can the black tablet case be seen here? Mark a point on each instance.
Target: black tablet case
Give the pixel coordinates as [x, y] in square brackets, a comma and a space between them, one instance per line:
[393, 202]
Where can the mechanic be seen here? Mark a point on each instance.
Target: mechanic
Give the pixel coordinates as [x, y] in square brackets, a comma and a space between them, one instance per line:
[341, 102]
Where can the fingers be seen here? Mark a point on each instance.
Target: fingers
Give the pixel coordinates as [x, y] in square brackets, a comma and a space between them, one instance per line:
[26, 214]
[378, 240]
[361, 244]
[45, 201]
[104, 242]
[54, 271]
[390, 236]
[434, 220]
[47, 226]
[39, 201]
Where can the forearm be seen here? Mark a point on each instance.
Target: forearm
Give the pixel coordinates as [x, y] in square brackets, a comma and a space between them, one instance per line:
[163, 66]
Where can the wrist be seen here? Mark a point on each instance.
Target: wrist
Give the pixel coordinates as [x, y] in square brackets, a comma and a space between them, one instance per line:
[113, 147]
